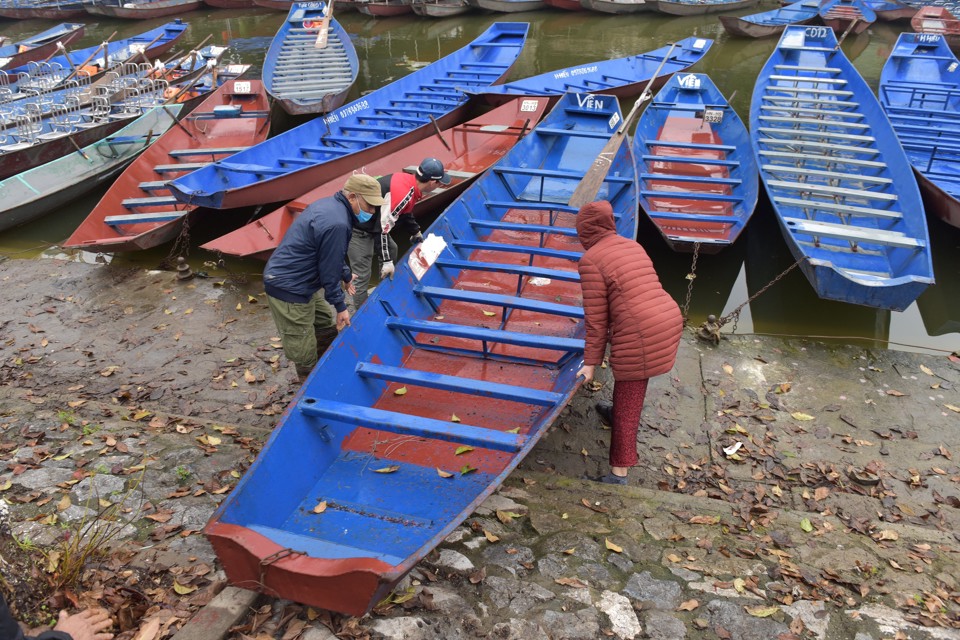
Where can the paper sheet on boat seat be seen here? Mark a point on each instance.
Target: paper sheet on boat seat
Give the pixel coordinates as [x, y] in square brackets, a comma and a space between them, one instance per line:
[425, 254]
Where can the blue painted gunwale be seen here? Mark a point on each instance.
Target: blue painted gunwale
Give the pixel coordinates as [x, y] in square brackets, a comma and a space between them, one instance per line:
[622, 77]
[492, 333]
[296, 42]
[290, 164]
[836, 173]
[920, 93]
[690, 199]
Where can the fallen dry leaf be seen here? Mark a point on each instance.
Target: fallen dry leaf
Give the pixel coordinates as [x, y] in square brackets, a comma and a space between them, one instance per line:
[611, 546]
[689, 605]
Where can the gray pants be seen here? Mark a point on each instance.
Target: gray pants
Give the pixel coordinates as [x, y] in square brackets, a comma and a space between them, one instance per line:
[363, 252]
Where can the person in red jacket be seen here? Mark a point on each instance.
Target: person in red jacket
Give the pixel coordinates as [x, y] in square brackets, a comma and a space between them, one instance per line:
[623, 305]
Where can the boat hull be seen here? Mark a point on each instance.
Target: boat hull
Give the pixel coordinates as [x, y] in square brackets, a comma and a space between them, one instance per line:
[509, 6]
[146, 10]
[367, 491]
[619, 7]
[473, 147]
[440, 8]
[670, 7]
[283, 167]
[39, 47]
[771, 23]
[385, 9]
[844, 15]
[837, 177]
[71, 12]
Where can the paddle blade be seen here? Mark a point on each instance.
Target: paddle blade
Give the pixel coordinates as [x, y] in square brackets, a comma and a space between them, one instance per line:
[590, 185]
[321, 42]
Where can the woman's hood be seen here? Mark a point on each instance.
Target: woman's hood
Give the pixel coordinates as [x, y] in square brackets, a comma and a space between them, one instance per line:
[595, 222]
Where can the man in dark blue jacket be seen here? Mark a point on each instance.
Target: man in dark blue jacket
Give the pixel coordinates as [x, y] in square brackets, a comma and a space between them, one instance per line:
[311, 259]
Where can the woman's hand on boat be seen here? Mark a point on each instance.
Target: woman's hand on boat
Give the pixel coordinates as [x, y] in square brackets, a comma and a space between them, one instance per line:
[587, 372]
[343, 319]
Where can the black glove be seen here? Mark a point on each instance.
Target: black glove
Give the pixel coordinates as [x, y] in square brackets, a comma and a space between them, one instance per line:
[416, 238]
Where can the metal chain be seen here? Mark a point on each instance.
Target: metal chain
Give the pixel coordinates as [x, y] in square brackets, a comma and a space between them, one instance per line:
[181, 245]
[735, 314]
[690, 278]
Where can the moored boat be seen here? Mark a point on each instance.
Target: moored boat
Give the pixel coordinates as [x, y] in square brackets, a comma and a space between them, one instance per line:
[39, 46]
[938, 20]
[466, 150]
[141, 10]
[847, 15]
[565, 5]
[384, 8]
[467, 356]
[137, 211]
[701, 7]
[622, 77]
[618, 7]
[440, 8]
[837, 177]
[311, 63]
[404, 111]
[509, 6]
[772, 23]
[32, 194]
[891, 10]
[697, 172]
[52, 10]
[920, 93]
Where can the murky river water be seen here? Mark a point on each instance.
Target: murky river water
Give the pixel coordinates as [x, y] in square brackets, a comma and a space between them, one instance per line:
[391, 47]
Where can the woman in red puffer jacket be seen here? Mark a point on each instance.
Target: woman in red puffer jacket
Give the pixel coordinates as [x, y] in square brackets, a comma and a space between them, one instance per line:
[625, 305]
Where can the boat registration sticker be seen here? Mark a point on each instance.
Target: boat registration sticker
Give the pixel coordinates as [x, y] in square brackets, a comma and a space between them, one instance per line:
[425, 254]
[529, 105]
[713, 115]
[241, 86]
[614, 121]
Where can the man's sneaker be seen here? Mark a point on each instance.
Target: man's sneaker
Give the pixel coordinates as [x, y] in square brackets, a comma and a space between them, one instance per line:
[605, 411]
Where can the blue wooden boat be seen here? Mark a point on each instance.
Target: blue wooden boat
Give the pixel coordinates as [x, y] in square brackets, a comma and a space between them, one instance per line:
[311, 63]
[772, 23]
[891, 10]
[701, 7]
[847, 15]
[697, 172]
[920, 93]
[621, 77]
[443, 382]
[290, 164]
[39, 46]
[837, 177]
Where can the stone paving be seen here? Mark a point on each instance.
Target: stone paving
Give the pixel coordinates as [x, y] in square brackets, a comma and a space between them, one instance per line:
[785, 490]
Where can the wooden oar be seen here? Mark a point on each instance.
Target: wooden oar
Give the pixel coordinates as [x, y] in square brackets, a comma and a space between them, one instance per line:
[843, 37]
[321, 42]
[77, 68]
[589, 186]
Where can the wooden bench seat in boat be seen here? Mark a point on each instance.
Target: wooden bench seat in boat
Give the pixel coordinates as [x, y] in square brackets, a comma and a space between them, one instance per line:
[851, 233]
[514, 269]
[500, 336]
[838, 208]
[137, 218]
[431, 294]
[814, 187]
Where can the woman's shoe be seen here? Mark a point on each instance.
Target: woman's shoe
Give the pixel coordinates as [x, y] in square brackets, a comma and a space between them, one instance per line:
[605, 411]
[612, 478]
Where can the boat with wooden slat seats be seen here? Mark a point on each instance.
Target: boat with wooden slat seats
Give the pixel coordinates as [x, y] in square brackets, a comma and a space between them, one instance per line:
[36, 192]
[697, 172]
[618, 7]
[302, 76]
[390, 118]
[440, 8]
[141, 10]
[702, 7]
[920, 93]
[836, 175]
[891, 10]
[443, 382]
[466, 150]
[137, 211]
[384, 8]
[622, 77]
[841, 15]
[52, 10]
[509, 6]
[39, 46]
[940, 21]
[772, 23]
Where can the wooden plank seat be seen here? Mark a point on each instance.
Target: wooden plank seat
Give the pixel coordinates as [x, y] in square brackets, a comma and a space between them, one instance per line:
[378, 129]
[181, 153]
[820, 122]
[149, 201]
[482, 334]
[851, 233]
[838, 208]
[546, 252]
[422, 112]
[801, 159]
[404, 424]
[514, 269]
[690, 145]
[453, 173]
[838, 104]
[459, 384]
[676, 106]
[153, 185]
[692, 217]
[678, 177]
[793, 67]
[470, 73]
[819, 92]
[247, 167]
[691, 195]
[182, 166]
[818, 134]
[337, 151]
[531, 205]
[813, 187]
[215, 116]
[920, 113]
[691, 160]
[853, 177]
[812, 111]
[298, 161]
[528, 228]
[553, 131]
[815, 144]
[553, 173]
[327, 82]
[498, 300]
[139, 218]
[809, 79]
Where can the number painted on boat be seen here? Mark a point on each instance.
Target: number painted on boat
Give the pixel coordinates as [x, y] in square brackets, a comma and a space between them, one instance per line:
[816, 32]
[579, 71]
[529, 105]
[614, 121]
[589, 101]
[241, 86]
[928, 37]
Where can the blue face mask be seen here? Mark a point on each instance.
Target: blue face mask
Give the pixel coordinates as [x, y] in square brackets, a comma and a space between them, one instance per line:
[363, 216]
